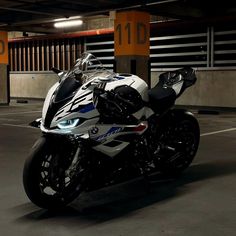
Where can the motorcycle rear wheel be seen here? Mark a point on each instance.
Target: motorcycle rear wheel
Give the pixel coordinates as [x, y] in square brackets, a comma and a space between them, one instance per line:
[180, 140]
[44, 176]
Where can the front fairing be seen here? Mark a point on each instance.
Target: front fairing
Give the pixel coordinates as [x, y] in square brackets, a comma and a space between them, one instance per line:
[66, 100]
[79, 106]
[69, 107]
[48, 100]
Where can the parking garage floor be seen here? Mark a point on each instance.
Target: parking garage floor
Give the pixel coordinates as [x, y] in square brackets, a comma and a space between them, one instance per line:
[201, 202]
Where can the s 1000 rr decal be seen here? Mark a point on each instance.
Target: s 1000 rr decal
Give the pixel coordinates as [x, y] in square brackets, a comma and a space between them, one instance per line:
[113, 130]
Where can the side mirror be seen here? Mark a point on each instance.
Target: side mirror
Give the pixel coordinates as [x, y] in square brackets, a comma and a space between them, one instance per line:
[55, 70]
[36, 123]
[60, 73]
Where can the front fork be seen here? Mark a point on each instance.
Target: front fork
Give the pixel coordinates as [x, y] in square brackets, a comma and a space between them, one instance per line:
[79, 161]
[73, 168]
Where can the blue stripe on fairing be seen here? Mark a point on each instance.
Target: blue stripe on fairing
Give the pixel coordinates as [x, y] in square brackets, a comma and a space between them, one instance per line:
[88, 108]
[111, 131]
[119, 77]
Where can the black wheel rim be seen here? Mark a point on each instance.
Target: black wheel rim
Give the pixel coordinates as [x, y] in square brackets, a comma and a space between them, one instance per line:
[184, 142]
[53, 178]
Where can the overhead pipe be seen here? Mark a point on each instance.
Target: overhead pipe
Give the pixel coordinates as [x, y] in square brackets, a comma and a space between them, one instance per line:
[154, 26]
[63, 36]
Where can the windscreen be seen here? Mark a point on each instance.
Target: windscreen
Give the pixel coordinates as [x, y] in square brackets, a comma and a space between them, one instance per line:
[84, 70]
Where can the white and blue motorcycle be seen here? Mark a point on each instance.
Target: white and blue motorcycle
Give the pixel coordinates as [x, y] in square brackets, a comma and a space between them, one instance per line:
[100, 128]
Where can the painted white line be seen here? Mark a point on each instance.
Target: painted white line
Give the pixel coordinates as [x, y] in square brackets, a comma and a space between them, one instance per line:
[18, 113]
[204, 134]
[19, 126]
[217, 132]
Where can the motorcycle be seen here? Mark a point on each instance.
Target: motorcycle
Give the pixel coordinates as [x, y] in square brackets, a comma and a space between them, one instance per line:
[101, 128]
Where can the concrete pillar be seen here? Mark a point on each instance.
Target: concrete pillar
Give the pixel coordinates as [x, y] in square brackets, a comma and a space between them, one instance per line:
[132, 41]
[4, 75]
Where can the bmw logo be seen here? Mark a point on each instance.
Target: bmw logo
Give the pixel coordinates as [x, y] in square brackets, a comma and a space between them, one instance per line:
[94, 130]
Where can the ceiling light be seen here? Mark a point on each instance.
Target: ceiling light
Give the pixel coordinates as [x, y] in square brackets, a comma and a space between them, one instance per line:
[68, 23]
[67, 18]
[60, 19]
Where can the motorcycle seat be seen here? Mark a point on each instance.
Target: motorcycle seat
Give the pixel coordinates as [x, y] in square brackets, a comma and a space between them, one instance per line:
[161, 97]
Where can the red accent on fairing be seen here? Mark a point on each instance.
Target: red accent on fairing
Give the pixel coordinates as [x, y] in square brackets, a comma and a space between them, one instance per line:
[140, 128]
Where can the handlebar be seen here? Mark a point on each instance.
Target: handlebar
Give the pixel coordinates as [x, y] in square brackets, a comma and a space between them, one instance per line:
[111, 96]
[119, 98]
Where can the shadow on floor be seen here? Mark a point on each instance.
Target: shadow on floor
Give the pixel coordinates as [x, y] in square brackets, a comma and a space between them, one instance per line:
[124, 199]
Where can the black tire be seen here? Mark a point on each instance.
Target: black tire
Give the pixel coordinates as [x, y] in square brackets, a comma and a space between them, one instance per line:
[182, 134]
[41, 169]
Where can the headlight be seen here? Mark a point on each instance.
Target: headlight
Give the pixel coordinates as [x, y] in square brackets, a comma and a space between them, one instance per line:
[68, 124]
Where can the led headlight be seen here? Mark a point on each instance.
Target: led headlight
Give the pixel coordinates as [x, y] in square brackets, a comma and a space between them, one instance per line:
[68, 124]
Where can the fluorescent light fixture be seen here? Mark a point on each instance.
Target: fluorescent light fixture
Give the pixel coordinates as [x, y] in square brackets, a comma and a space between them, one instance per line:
[60, 19]
[68, 23]
[68, 18]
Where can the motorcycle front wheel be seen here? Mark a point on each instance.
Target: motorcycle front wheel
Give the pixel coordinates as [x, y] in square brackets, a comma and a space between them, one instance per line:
[46, 177]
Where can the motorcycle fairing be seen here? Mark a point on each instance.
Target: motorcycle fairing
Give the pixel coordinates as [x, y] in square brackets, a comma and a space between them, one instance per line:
[81, 105]
[104, 135]
[79, 109]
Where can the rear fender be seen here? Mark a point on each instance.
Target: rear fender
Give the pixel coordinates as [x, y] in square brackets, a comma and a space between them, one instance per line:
[178, 115]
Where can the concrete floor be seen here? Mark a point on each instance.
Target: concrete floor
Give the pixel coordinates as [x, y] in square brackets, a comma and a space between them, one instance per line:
[201, 202]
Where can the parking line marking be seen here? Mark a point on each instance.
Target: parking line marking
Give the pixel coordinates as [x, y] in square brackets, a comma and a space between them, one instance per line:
[204, 134]
[217, 132]
[20, 126]
[18, 113]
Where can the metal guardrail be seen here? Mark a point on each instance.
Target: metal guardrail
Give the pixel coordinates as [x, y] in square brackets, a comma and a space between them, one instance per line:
[224, 48]
[209, 49]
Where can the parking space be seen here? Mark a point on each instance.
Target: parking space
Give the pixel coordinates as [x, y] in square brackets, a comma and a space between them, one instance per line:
[201, 202]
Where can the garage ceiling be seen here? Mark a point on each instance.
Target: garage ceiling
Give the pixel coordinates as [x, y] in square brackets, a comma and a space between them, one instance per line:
[38, 15]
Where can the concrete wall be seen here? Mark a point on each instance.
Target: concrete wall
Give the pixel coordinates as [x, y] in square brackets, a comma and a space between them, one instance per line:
[4, 85]
[213, 88]
[31, 85]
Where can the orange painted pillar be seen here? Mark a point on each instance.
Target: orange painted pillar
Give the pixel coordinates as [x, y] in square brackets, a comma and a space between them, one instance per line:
[132, 43]
[4, 75]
